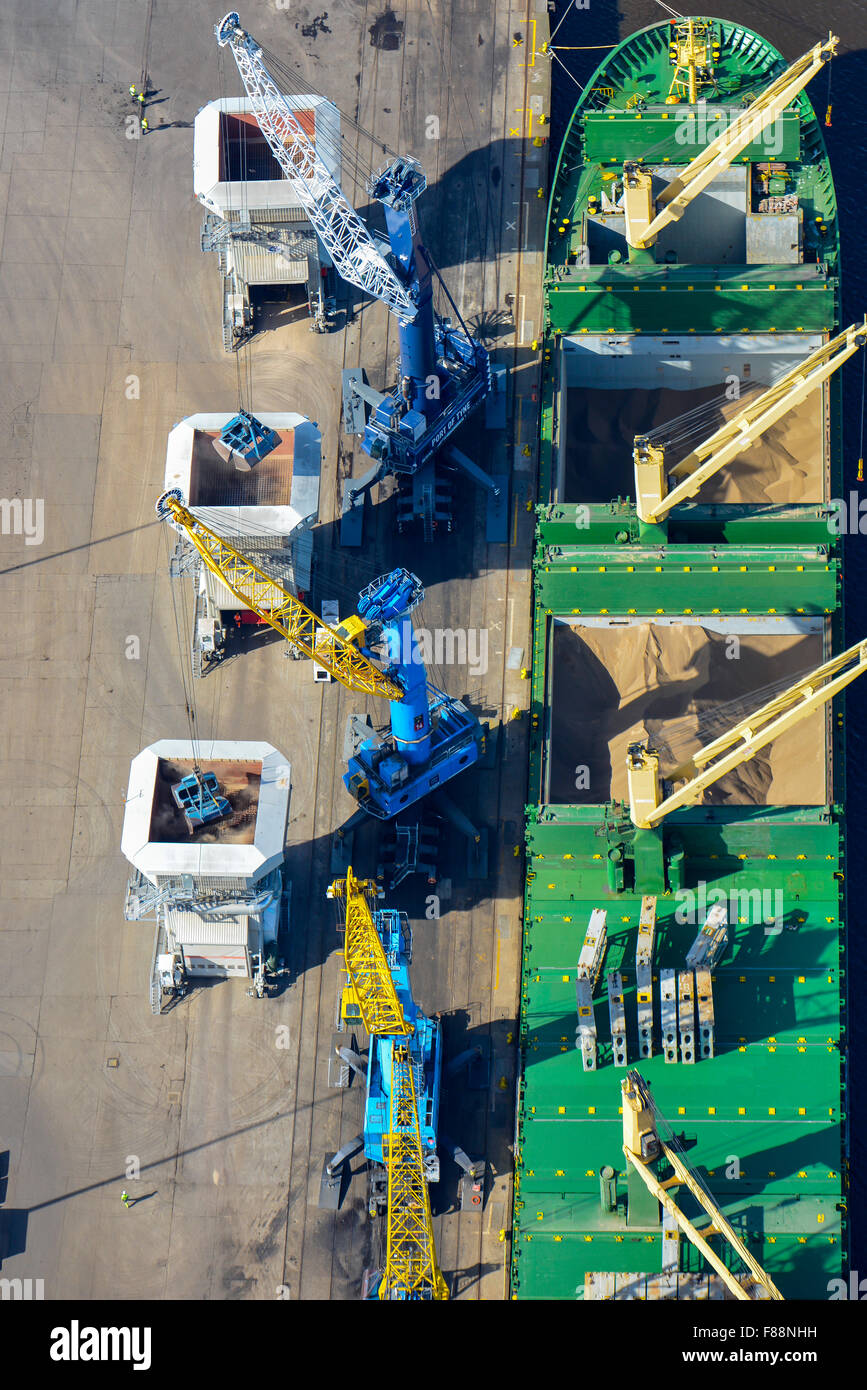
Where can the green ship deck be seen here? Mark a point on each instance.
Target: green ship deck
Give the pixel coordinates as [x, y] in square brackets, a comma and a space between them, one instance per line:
[764, 1119]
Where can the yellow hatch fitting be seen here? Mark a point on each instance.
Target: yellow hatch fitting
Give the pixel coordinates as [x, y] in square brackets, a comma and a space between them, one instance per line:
[654, 501]
[411, 1269]
[648, 806]
[370, 978]
[642, 1145]
[335, 649]
[642, 226]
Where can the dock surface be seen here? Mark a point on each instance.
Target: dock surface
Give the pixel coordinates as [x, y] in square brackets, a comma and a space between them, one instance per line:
[217, 1115]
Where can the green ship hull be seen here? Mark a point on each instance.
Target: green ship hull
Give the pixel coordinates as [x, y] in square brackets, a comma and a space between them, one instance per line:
[669, 628]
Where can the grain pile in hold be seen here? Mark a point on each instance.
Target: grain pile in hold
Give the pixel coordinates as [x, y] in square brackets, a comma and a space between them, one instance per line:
[783, 466]
[681, 687]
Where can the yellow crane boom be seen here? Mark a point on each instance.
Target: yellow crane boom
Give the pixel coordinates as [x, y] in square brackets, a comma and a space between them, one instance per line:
[646, 804]
[366, 961]
[335, 649]
[411, 1269]
[654, 501]
[641, 1145]
[644, 221]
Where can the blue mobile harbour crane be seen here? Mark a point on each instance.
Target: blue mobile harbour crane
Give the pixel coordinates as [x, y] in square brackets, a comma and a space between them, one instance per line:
[431, 735]
[445, 373]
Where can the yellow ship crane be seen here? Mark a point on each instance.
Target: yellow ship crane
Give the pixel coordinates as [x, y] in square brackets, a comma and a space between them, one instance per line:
[411, 1269]
[646, 219]
[642, 1144]
[370, 978]
[647, 804]
[335, 649]
[652, 476]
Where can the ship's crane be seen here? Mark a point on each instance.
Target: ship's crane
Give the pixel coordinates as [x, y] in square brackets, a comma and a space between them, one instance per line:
[648, 805]
[643, 1145]
[404, 1069]
[646, 217]
[444, 373]
[431, 736]
[652, 474]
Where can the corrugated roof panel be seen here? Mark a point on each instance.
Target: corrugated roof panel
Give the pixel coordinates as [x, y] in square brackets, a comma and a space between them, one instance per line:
[189, 929]
[258, 266]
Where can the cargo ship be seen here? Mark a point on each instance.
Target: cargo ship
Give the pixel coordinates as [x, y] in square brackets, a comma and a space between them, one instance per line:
[681, 1126]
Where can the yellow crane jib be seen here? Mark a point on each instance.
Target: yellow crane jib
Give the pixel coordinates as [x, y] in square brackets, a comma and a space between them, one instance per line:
[642, 1145]
[647, 804]
[335, 649]
[411, 1269]
[646, 218]
[652, 475]
[366, 962]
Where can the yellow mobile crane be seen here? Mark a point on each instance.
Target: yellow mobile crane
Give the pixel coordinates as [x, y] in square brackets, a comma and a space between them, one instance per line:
[652, 474]
[411, 1269]
[432, 736]
[370, 979]
[645, 219]
[335, 649]
[647, 803]
[642, 1144]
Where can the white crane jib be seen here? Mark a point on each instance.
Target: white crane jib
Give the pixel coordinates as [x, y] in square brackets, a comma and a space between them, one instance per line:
[342, 232]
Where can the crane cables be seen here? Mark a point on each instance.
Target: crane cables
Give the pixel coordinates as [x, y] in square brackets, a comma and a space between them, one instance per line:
[243, 369]
[683, 433]
[675, 736]
[326, 141]
[185, 654]
[863, 393]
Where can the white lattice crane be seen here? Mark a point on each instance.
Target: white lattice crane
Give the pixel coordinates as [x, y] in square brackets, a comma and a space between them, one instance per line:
[444, 373]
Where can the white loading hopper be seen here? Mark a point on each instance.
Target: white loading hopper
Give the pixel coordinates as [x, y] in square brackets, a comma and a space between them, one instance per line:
[235, 853]
[235, 174]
